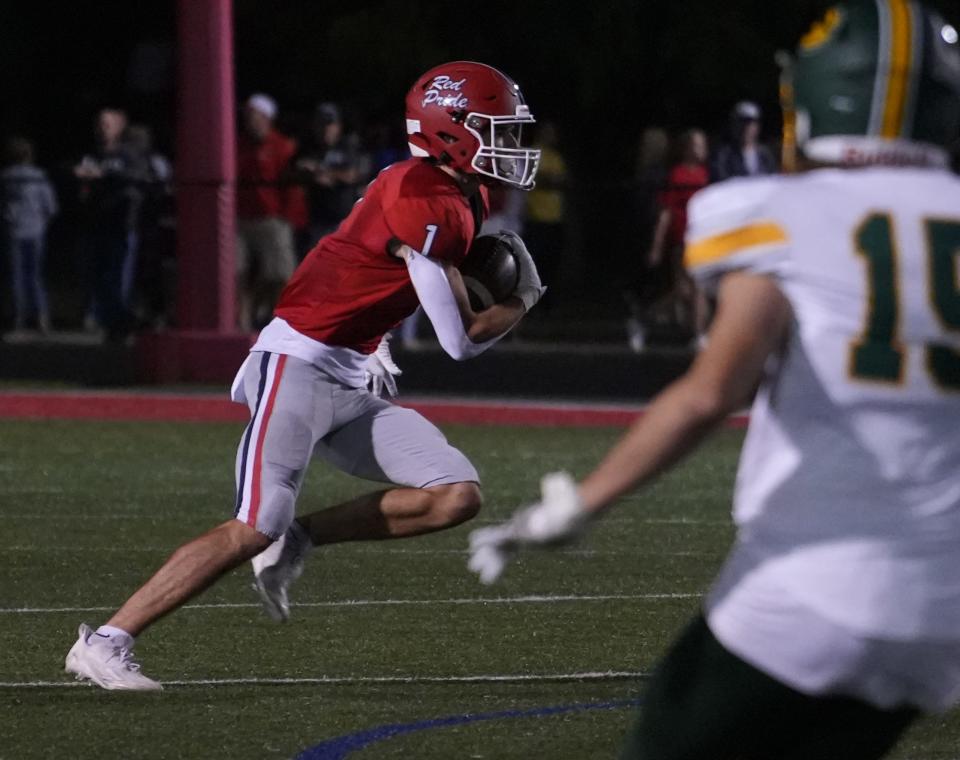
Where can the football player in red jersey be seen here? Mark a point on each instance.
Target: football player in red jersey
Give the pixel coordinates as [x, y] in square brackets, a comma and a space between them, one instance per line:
[306, 378]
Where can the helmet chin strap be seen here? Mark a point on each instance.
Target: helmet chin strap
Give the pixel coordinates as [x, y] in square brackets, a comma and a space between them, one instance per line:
[856, 150]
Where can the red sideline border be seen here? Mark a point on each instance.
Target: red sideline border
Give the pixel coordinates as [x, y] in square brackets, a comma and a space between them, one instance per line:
[147, 406]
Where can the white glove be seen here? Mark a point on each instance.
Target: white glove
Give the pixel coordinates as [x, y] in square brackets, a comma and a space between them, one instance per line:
[556, 519]
[529, 289]
[380, 371]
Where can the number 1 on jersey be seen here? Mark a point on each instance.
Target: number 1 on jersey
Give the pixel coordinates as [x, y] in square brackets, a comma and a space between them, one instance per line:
[428, 243]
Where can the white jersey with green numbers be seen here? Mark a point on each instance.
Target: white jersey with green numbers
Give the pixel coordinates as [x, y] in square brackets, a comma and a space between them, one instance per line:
[848, 489]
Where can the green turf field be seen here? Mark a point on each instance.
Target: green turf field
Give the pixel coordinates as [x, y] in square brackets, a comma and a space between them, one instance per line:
[90, 509]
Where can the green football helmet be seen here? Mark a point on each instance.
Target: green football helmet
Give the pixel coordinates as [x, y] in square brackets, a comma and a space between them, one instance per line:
[874, 82]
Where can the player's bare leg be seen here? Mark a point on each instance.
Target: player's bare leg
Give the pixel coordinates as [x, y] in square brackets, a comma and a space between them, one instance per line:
[394, 513]
[189, 570]
[105, 656]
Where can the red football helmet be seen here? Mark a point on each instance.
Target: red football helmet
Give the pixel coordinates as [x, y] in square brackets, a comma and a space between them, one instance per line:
[469, 116]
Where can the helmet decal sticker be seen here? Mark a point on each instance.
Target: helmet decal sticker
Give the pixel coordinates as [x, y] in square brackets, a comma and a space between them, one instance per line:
[445, 92]
[822, 31]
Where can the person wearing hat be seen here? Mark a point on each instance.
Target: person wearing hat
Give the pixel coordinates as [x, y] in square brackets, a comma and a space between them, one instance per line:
[332, 166]
[265, 210]
[745, 155]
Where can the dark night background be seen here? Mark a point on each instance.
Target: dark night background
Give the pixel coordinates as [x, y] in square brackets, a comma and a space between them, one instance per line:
[603, 71]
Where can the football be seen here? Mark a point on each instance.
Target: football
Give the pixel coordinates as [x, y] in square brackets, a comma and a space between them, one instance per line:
[490, 271]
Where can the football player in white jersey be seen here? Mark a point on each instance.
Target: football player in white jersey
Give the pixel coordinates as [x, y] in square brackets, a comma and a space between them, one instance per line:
[836, 618]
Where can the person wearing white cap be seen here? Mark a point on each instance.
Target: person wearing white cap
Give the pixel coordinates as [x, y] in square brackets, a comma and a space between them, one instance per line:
[745, 155]
[266, 212]
[263, 105]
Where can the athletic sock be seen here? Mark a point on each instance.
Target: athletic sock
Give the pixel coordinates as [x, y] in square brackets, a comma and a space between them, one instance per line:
[117, 636]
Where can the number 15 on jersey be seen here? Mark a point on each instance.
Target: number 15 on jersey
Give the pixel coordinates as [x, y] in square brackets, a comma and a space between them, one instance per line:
[878, 354]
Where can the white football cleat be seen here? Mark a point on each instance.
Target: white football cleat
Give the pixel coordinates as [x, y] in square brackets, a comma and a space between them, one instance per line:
[276, 567]
[98, 659]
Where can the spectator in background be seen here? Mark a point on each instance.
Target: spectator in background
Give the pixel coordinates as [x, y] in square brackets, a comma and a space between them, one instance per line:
[266, 203]
[650, 179]
[159, 170]
[653, 157]
[111, 192]
[688, 175]
[387, 143]
[668, 293]
[333, 166]
[28, 203]
[545, 208]
[156, 257]
[744, 155]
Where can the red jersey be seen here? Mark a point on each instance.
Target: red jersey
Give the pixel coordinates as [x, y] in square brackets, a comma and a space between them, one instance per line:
[349, 291]
[260, 167]
[683, 182]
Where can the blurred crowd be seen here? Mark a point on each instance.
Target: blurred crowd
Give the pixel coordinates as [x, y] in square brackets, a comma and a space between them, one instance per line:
[661, 299]
[297, 178]
[119, 199]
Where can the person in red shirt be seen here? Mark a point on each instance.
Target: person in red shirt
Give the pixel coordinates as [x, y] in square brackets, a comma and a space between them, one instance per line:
[306, 378]
[667, 286]
[684, 179]
[268, 208]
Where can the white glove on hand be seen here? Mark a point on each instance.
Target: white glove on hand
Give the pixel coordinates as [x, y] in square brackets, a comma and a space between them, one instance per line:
[529, 289]
[557, 519]
[380, 371]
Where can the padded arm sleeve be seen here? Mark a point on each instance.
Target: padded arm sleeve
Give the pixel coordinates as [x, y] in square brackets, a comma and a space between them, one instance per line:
[437, 299]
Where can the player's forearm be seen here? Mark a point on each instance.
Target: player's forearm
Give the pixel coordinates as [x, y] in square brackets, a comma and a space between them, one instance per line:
[752, 322]
[491, 323]
[450, 319]
[494, 322]
[674, 424]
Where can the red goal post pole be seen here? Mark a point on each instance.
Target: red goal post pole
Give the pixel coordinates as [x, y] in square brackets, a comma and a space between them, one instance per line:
[205, 346]
[206, 167]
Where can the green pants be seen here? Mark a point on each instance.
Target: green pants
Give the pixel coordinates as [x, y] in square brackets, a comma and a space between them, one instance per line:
[704, 703]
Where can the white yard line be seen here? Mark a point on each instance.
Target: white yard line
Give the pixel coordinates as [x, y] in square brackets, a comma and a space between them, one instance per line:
[364, 550]
[560, 552]
[174, 516]
[88, 549]
[145, 517]
[533, 599]
[685, 521]
[32, 491]
[608, 675]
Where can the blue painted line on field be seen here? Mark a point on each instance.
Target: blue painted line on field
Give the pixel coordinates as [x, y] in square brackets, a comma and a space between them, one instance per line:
[341, 746]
